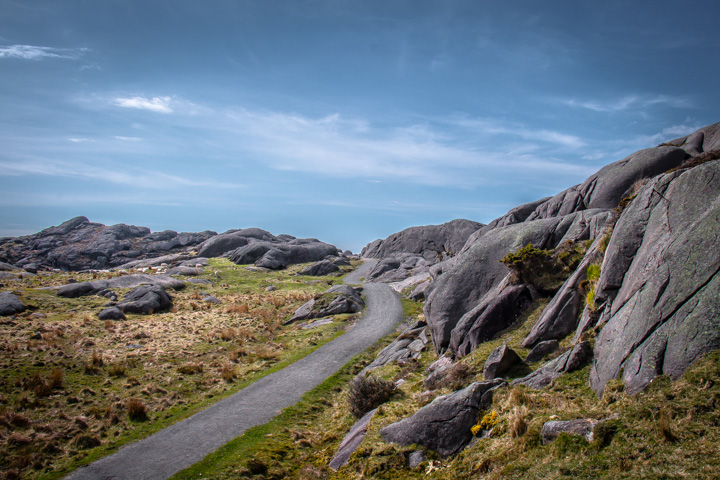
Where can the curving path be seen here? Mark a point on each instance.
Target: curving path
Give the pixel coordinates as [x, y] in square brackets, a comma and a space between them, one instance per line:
[189, 441]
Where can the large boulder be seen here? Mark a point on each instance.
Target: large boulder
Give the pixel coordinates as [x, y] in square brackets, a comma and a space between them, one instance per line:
[407, 346]
[659, 289]
[445, 424]
[433, 242]
[232, 240]
[10, 304]
[146, 299]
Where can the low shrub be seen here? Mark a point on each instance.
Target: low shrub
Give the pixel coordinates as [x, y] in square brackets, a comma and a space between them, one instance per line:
[368, 392]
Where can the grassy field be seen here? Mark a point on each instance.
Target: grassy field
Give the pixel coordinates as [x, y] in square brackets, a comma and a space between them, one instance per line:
[669, 431]
[74, 388]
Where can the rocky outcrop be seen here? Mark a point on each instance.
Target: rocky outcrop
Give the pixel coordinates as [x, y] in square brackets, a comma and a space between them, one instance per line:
[432, 242]
[79, 244]
[74, 290]
[10, 304]
[444, 424]
[338, 299]
[231, 240]
[497, 311]
[659, 286]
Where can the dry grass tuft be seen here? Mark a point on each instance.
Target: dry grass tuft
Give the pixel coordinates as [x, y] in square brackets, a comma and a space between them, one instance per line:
[228, 372]
[191, 368]
[237, 308]
[517, 424]
[136, 409]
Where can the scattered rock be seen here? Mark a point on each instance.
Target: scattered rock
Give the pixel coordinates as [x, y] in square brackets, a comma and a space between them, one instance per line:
[187, 271]
[211, 299]
[74, 290]
[582, 428]
[569, 361]
[112, 313]
[500, 361]
[541, 349]
[351, 441]
[416, 458]
[444, 424]
[10, 304]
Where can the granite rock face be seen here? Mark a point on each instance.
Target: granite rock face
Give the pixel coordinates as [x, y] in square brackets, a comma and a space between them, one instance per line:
[659, 285]
[477, 271]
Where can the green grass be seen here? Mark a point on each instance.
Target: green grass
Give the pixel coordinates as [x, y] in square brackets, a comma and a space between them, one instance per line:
[670, 430]
[68, 332]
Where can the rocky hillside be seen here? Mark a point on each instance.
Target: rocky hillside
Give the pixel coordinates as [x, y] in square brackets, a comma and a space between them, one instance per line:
[79, 244]
[631, 253]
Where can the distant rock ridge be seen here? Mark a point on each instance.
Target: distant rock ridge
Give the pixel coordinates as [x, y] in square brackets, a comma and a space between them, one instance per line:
[79, 244]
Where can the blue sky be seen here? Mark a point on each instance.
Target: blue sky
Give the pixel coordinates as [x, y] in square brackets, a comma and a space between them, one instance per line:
[341, 120]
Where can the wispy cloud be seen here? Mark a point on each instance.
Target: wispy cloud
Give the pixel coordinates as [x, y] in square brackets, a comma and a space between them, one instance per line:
[498, 127]
[138, 178]
[128, 139]
[154, 104]
[32, 52]
[425, 153]
[629, 102]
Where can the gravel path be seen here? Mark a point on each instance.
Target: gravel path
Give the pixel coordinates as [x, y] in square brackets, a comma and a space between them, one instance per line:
[189, 441]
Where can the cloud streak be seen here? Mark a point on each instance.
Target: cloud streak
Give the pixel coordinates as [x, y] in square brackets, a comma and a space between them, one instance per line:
[152, 180]
[32, 52]
[628, 102]
[154, 104]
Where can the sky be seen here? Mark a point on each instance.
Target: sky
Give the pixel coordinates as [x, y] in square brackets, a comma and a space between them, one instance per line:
[340, 120]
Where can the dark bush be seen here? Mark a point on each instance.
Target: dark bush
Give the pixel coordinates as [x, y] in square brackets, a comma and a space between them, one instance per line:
[367, 393]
